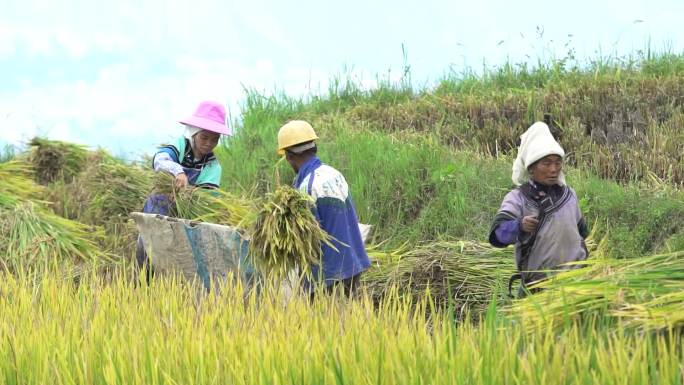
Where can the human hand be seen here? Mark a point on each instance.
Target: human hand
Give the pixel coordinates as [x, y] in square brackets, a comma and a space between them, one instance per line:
[529, 224]
[181, 180]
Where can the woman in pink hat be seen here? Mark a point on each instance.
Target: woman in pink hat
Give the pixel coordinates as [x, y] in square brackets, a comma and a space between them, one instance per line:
[190, 160]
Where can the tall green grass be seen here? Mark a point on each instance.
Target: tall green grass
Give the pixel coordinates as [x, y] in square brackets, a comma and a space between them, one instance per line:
[412, 187]
[7, 153]
[619, 118]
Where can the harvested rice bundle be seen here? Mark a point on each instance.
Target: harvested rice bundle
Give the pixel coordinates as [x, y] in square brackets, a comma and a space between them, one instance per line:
[16, 184]
[221, 207]
[105, 191]
[71, 198]
[162, 183]
[643, 293]
[286, 234]
[103, 194]
[54, 160]
[206, 205]
[34, 237]
[115, 190]
[663, 312]
[466, 275]
[215, 206]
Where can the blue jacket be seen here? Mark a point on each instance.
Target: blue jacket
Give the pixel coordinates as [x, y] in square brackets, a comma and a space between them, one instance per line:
[334, 210]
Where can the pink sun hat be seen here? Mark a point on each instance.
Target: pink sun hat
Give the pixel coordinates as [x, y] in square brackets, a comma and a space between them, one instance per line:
[210, 116]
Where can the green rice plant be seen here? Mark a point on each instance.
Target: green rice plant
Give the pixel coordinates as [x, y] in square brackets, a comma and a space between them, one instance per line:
[411, 187]
[54, 160]
[462, 275]
[285, 234]
[618, 118]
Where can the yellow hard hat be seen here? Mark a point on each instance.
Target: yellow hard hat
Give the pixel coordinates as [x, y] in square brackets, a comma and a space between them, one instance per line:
[293, 133]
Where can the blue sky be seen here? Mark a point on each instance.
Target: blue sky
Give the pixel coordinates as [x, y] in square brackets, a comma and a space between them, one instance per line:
[120, 74]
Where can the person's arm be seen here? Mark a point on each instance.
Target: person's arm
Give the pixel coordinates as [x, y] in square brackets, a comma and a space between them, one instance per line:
[506, 226]
[583, 228]
[164, 163]
[336, 215]
[507, 233]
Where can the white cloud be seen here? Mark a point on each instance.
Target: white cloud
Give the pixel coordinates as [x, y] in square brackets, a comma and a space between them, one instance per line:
[128, 112]
[75, 45]
[36, 41]
[264, 66]
[7, 40]
[260, 21]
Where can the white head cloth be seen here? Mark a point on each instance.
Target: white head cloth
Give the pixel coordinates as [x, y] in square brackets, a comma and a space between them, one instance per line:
[190, 131]
[536, 143]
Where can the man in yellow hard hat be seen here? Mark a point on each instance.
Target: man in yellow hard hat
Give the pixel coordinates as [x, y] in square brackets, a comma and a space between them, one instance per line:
[334, 208]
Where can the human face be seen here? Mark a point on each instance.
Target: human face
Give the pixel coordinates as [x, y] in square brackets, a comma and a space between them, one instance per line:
[205, 142]
[292, 160]
[547, 170]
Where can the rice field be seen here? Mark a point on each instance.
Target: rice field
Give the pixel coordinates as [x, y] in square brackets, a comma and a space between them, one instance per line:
[432, 309]
[124, 332]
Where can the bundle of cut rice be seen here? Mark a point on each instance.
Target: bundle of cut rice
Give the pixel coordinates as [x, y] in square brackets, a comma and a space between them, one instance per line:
[53, 160]
[463, 275]
[206, 205]
[33, 237]
[285, 234]
[644, 293]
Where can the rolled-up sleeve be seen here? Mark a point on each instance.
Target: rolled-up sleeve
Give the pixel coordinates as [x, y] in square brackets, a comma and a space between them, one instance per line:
[163, 162]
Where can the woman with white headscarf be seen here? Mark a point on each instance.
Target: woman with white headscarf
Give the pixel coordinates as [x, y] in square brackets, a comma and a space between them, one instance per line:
[190, 160]
[541, 216]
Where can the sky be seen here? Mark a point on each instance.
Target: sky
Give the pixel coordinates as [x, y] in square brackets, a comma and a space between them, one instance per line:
[120, 74]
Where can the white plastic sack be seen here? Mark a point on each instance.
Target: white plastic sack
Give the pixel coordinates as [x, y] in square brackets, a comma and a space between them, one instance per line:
[203, 251]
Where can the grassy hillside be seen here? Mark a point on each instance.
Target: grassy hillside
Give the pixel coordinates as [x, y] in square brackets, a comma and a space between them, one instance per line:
[436, 163]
